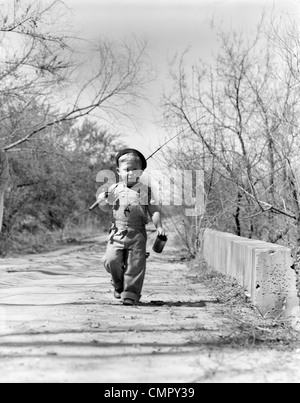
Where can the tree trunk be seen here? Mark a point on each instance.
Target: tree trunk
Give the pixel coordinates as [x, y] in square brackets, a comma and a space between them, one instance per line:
[237, 214]
[297, 245]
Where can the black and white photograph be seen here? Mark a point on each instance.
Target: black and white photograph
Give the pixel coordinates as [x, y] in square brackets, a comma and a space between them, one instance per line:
[149, 194]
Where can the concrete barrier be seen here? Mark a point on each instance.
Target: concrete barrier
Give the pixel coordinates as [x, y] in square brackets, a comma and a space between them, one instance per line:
[264, 269]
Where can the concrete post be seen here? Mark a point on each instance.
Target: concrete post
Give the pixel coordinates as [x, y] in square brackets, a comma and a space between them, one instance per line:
[264, 269]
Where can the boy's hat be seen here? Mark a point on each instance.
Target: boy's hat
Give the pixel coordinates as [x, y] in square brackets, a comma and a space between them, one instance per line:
[132, 151]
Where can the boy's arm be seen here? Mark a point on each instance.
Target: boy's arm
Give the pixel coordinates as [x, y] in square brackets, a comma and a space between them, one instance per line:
[156, 218]
[106, 199]
[103, 204]
[154, 211]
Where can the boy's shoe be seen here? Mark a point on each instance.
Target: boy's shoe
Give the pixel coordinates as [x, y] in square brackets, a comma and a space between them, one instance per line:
[117, 294]
[128, 302]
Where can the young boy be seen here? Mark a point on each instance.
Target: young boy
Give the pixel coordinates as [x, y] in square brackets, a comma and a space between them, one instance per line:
[130, 201]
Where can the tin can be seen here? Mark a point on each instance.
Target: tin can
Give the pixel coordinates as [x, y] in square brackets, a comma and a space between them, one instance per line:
[160, 243]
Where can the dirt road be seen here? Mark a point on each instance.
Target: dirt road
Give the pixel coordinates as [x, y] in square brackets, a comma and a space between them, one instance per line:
[60, 323]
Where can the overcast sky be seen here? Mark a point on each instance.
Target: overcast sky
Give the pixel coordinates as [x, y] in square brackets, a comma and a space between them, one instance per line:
[170, 26]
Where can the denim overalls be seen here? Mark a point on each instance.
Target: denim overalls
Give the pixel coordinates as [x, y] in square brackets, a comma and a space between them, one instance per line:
[125, 257]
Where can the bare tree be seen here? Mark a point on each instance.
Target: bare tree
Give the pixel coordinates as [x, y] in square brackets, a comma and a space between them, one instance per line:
[44, 66]
[248, 142]
[285, 36]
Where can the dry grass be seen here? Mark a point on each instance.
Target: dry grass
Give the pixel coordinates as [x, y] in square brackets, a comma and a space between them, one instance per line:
[249, 326]
[43, 240]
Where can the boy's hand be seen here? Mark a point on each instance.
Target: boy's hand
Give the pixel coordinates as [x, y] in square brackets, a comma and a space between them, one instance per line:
[101, 201]
[102, 197]
[106, 199]
[161, 231]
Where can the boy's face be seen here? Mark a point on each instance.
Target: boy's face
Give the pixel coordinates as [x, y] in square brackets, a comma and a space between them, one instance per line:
[130, 172]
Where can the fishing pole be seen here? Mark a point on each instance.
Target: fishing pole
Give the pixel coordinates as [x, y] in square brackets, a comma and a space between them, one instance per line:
[173, 138]
[157, 150]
